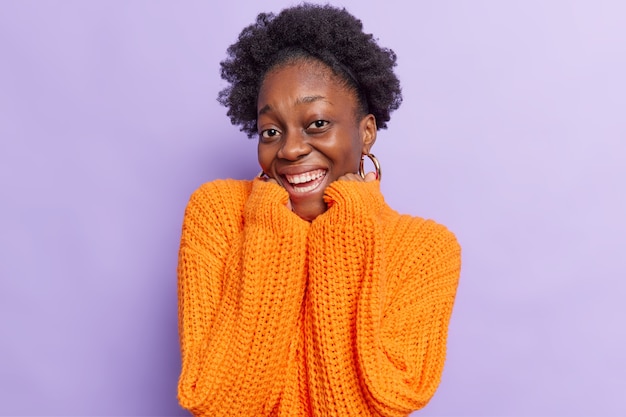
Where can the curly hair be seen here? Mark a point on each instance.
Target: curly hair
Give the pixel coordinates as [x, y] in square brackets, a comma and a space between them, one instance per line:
[325, 33]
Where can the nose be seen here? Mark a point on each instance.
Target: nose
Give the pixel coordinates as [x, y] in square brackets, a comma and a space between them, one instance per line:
[294, 146]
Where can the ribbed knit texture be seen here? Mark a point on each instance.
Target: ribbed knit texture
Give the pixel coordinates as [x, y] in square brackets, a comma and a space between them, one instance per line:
[344, 316]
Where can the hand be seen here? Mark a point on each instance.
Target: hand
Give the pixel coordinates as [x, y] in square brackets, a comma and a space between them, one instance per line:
[273, 181]
[369, 177]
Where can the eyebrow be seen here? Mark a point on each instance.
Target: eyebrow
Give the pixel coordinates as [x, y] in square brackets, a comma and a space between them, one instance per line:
[300, 100]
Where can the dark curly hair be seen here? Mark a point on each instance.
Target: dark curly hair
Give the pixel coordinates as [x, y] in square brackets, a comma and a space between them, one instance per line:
[324, 33]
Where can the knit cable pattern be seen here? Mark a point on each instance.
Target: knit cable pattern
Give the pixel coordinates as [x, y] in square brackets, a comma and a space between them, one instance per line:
[346, 315]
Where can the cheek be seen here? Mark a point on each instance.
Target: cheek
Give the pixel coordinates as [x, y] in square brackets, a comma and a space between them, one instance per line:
[265, 156]
[353, 151]
[346, 158]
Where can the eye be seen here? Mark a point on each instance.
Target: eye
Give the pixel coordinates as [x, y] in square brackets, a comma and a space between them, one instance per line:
[319, 124]
[269, 134]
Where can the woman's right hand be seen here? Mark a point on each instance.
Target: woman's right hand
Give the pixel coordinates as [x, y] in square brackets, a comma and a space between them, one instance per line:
[273, 181]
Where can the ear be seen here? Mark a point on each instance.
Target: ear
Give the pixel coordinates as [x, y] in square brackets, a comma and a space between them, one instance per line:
[368, 132]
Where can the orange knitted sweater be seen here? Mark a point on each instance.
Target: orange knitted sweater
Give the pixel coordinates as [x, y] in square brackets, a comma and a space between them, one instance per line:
[345, 315]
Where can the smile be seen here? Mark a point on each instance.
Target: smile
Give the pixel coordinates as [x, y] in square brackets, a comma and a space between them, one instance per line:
[306, 181]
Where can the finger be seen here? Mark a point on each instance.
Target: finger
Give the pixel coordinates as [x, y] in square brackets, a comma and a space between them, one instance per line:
[370, 176]
[350, 177]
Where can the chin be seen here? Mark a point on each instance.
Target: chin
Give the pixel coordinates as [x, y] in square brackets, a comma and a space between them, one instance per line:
[309, 210]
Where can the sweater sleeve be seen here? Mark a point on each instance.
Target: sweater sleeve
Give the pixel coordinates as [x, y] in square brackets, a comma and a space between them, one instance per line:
[241, 286]
[397, 280]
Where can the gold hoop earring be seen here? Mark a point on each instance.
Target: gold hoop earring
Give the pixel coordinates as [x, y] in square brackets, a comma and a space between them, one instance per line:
[376, 165]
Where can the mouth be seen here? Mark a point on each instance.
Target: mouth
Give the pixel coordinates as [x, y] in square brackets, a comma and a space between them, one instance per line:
[305, 182]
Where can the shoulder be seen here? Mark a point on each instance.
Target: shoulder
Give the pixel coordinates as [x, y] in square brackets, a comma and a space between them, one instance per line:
[221, 192]
[219, 196]
[425, 232]
[217, 202]
[437, 239]
[422, 240]
[423, 256]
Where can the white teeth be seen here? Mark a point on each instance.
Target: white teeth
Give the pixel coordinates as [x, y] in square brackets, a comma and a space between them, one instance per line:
[305, 177]
[305, 189]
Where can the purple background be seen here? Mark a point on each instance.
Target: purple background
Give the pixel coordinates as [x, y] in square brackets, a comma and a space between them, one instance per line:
[512, 133]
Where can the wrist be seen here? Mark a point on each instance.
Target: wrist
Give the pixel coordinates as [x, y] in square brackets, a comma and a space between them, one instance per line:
[268, 207]
[355, 197]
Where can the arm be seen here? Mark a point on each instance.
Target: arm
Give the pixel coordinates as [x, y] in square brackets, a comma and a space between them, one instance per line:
[239, 300]
[403, 319]
[390, 282]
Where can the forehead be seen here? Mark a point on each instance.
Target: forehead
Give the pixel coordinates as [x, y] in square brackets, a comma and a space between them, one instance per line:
[303, 77]
[303, 70]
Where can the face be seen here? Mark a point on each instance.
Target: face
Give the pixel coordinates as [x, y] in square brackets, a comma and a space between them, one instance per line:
[309, 132]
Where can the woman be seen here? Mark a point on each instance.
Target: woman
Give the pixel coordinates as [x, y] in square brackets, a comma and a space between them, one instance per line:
[301, 292]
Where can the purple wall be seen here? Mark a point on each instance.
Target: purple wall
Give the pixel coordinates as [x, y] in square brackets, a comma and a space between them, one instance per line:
[512, 133]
